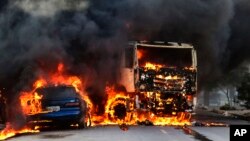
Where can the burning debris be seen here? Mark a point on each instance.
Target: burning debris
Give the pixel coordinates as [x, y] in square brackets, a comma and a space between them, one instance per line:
[123, 127]
[171, 86]
[208, 124]
[162, 78]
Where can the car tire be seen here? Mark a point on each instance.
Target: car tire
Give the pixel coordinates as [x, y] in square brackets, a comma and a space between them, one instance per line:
[85, 121]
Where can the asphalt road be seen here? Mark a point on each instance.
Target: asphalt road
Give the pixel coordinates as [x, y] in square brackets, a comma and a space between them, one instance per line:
[142, 132]
[134, 133]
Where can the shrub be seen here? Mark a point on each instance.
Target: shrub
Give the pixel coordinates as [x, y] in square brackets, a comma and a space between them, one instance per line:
[227, 107]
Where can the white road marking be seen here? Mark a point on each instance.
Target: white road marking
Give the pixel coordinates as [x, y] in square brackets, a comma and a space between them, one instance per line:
[163, 131]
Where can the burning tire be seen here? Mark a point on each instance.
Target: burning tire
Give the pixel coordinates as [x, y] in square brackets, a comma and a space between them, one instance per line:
[120, 111]
[117, 110]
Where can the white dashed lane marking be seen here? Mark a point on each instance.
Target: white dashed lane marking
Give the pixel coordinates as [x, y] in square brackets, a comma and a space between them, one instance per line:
[163, 131]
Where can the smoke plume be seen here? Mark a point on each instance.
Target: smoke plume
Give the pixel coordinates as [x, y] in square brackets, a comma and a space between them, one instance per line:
[89, 35]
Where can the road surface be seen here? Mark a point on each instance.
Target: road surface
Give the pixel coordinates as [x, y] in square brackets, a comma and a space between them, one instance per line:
[142, 132]
[134, 133]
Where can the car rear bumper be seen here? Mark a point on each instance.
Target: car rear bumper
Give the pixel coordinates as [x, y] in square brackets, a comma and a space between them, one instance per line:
[72, 115]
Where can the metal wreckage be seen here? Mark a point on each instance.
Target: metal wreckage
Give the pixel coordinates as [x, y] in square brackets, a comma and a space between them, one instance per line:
[159, 80]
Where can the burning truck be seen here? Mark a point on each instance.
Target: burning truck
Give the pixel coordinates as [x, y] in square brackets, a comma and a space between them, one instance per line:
[159, 83]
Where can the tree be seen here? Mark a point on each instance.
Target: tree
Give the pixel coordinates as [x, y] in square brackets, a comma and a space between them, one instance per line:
[244, 90]
[229, 81]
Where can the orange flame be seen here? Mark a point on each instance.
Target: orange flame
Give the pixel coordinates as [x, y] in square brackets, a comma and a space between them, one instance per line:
[179, 120]
[31, 101]
[10, 132]
[152, 66]
[113, 98]
[139, 54]
[135, 115]
[31, 104]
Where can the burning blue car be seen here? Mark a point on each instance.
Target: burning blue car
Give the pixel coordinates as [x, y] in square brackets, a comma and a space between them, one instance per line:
[61, 105]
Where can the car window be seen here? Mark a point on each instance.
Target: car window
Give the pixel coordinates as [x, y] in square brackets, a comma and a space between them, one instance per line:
[57, 92]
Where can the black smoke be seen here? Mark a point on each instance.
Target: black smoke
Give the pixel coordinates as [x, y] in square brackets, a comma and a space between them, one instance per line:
[88, 36]
[3, 3]
[205, 24]
[238, 44]
[32, 44]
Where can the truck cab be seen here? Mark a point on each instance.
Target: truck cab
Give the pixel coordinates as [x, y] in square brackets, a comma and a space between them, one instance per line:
[162, 74]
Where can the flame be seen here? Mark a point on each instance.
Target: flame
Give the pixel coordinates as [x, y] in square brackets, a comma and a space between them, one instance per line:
[133, 116]
[149, 65]
[139, 54]
[189, 68]
[113, 98]
[60, 67]
[39, 83]
[179, 120]
[31, 104]
[9, 131]
[171, 77]
[31, 101]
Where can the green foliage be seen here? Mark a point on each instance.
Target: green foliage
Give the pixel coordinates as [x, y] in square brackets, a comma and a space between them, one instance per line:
[244, 90]
[227, 107]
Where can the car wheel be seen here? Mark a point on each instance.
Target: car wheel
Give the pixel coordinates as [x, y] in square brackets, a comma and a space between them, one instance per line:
[85, 121]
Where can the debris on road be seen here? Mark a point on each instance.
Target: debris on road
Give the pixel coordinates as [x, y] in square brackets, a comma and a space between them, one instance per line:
[123, 127]
[209, 124]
